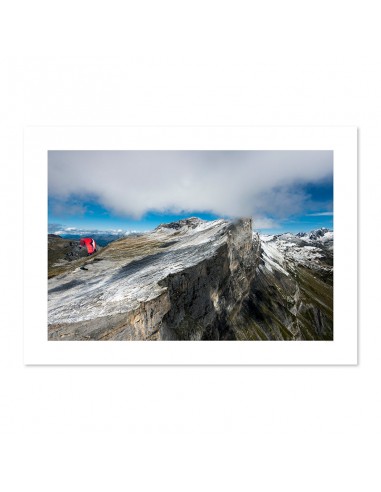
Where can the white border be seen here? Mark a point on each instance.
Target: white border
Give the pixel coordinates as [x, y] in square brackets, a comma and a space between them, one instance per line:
[37, 142]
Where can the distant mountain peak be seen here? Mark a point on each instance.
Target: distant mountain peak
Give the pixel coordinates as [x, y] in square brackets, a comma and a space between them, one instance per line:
[316, 234]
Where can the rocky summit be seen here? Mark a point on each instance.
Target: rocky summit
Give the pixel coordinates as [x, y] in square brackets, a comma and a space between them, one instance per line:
[196, 280]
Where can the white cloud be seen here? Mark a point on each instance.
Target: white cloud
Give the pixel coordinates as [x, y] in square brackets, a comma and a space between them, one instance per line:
[231, 183]
[320, 214]
[265, 223]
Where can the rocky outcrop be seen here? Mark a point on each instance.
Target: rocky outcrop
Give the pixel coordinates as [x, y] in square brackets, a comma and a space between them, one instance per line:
[183, 281]
[206, 298]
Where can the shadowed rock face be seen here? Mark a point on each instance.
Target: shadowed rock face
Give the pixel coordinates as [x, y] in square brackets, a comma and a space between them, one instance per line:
[183, 281]
[207, 297]
[291, 297]
[196, 280]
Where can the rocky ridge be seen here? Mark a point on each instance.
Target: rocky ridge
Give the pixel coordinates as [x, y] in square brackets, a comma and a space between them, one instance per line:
[183, 281]
[197, 280]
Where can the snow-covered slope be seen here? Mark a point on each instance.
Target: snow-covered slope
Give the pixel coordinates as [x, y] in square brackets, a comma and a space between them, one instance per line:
[322, 236]
[134, 285]
[291, 295]
[313, 250]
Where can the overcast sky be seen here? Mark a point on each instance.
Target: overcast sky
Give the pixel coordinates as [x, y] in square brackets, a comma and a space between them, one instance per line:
[271, 186]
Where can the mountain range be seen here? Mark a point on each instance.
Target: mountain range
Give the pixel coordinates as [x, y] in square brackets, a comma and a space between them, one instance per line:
[194, 280]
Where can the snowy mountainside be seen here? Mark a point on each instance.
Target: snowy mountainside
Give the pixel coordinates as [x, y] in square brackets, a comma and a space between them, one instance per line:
[323, 235]
[292, 293]
[196, 280]
[313, 250]
[182, 281]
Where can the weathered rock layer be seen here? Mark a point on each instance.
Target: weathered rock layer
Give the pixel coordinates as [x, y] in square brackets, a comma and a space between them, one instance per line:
[181, 282]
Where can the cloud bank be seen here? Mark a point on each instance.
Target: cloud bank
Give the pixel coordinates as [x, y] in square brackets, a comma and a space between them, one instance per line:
[226, 183]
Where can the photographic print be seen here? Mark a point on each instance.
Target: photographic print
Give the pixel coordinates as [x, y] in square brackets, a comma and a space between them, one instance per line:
[190, 245]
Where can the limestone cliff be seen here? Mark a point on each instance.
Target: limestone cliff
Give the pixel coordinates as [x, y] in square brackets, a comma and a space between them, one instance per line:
[184, 281]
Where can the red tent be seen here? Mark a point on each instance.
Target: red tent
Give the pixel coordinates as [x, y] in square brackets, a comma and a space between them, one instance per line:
[89, 243]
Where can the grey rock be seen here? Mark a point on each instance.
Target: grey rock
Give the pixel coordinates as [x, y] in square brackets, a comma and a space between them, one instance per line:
[198, 280]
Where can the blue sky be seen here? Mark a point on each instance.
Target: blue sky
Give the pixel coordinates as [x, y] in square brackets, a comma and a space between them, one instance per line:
[135, 191]
[96, 217]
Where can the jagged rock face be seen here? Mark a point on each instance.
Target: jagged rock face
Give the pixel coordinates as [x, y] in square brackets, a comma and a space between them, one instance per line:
[183, 282]
[207, 297]
[291, 296]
